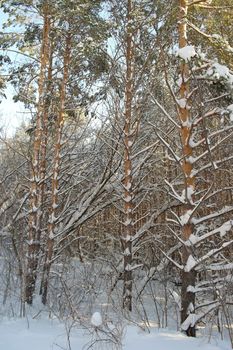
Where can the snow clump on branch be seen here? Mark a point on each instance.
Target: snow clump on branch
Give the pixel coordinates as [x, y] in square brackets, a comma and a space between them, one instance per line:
[186, 53]
[230, 111]
[96, 319]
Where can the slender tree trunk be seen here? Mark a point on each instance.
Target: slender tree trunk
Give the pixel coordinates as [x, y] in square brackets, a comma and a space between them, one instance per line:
[35, 203]
[188, 277]
[128, 230]
[56, 171]
[44, 138]
[48, 107]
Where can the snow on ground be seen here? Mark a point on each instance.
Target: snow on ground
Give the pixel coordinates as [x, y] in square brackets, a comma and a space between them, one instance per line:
[47, 334]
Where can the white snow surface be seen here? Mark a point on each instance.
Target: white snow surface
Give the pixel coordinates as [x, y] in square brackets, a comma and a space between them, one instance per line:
[219, 71]
[230, 111]
[187, 52]
[192, 240]
[184, 219]
[47, 334]
[96, 319]
[182, 102]
[191, 262]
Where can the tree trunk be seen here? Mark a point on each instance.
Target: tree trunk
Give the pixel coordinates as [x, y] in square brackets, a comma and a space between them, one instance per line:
[128, 229]
[56, 171]
[188, 277]
[35, 202]
[44, 143]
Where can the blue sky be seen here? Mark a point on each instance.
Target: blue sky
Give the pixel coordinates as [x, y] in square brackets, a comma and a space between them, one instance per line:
[11, 114]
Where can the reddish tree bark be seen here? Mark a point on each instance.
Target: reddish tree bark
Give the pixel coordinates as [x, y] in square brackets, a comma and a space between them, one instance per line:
[128, 229]
[56, 171]
[35, 191]
[188, 277]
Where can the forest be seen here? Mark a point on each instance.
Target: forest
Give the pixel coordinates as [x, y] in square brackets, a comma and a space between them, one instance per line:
[116, 193]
